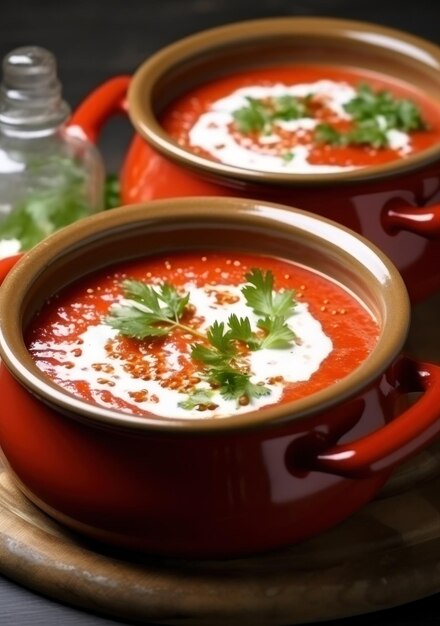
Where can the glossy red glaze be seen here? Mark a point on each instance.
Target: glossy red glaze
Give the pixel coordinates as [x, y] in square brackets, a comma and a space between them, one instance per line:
[408, 234]
[205, 491]
[78, 474]
[82, 473]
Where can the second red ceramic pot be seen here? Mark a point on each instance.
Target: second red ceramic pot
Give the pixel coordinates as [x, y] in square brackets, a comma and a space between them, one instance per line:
[395, 206]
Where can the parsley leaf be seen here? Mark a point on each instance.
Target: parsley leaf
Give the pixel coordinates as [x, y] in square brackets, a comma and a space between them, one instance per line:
[112, 192]
[221, 349]
[326, 133]
[289, 108]
[234, 384]
[278, 333]
[261, 299]
[198, 399]
[399, 113]
[368, 132]
[374, 113]
[254, 117]
[259, 115]
[142, 315]
[241, 331]
[153, 311]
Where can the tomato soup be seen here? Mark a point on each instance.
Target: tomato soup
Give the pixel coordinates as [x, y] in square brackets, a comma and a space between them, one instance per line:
[196, 335]
[303, 119]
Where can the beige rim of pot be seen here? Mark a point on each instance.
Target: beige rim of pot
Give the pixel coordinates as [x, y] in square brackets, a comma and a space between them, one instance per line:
[78, 249]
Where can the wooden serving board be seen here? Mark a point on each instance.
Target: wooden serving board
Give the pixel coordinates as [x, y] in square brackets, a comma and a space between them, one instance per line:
[385, 555]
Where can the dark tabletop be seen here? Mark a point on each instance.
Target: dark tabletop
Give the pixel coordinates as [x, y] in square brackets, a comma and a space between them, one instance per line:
[93, 41]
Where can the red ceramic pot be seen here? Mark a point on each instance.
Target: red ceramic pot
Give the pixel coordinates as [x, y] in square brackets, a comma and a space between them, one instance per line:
[211, 487]
[393, 205]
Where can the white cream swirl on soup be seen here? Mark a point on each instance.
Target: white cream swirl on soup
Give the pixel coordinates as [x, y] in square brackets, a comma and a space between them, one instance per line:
[212, 134]
[88, 359]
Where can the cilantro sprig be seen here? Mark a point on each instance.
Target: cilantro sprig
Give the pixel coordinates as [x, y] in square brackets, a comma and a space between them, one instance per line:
[154, 311]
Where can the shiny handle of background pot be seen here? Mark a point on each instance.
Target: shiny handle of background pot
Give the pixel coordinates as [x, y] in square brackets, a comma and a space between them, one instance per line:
[405, 435]
[104, 102]
[424, 221]
[7, 264]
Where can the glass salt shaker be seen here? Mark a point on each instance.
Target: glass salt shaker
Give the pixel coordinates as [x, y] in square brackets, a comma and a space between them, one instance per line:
[48, 177]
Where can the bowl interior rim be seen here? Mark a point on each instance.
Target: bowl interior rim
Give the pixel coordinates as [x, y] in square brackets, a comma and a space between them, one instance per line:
[78, 236]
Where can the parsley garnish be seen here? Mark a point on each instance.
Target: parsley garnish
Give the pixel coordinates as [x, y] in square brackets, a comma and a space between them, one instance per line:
[154, 311]
[261, 298]
[398, 113]
[260, 115]
[254, 117]
[201, 398]
[367, 132]
[148, 311]
[374, 113]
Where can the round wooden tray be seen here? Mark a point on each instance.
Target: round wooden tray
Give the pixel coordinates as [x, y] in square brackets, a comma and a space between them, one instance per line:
[385, 555]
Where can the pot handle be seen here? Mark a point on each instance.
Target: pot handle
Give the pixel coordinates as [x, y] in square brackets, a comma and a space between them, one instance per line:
[107, 100]
[399, 439]
[424, 221]
[7, 264]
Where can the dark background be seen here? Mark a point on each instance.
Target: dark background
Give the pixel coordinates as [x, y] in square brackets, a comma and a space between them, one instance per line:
[94, 40]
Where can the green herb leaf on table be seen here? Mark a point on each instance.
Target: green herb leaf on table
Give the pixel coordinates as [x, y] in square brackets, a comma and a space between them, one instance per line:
[42, 212]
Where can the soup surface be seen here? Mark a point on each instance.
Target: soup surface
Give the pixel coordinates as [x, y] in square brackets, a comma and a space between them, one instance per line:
[199, 335]
[303, 119]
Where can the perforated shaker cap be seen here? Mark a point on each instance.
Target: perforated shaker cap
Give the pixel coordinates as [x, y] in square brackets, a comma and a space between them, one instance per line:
[30, 93]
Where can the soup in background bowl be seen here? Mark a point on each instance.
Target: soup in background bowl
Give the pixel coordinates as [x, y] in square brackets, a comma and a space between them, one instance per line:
[337, 117]
[221, 305]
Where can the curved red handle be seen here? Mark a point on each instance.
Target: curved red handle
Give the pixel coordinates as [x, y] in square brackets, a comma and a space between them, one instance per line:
[7, 264]
[424, 221]
[107, 100]
[399, 439]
